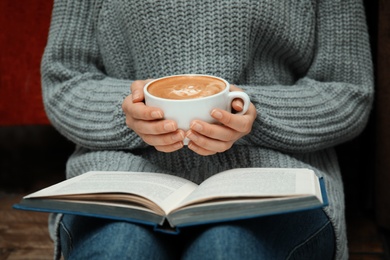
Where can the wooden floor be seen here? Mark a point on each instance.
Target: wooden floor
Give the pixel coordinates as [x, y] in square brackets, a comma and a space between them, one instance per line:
[24, 235]
[366, 241]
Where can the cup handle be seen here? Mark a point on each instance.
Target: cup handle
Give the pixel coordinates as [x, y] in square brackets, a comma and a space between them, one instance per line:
[241, 95]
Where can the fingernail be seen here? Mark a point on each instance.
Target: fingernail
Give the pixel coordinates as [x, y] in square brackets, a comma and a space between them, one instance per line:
[169, 127]
[178, 145]
[157, 114]
[197, 127]
[192, 147]
[239, 105]
[216, 114]
[191, 136]
[178, 137]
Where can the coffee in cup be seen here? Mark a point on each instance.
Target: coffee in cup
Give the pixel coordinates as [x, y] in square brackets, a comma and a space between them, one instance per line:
[184, 98]
[186, 87]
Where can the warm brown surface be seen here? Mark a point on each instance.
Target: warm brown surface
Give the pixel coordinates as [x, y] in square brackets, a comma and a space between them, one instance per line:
[23, 235]
[365, 240]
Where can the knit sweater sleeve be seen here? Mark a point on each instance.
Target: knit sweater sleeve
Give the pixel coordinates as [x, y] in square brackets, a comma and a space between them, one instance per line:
[331, 103]
[80, 100]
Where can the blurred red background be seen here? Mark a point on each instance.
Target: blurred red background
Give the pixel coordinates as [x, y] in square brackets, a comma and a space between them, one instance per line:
[24, 28]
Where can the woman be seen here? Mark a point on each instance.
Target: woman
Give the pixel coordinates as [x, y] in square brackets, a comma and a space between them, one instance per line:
[306, 66]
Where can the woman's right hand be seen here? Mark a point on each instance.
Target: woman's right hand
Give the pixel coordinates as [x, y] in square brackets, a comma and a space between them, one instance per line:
[149, 122]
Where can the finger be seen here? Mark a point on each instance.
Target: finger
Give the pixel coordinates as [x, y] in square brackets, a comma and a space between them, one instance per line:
[170, 148]
[137, 90]
[156, 127]
[203, 143]
[240, 123]
[141, 111]
[237, 105]
[199, 150]
[214, 131]
[164, 139]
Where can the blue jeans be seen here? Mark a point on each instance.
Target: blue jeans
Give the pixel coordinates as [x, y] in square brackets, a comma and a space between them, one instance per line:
[300, 235]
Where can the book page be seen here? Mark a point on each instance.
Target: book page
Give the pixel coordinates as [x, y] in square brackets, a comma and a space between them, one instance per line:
[255, 182]
[163, 189]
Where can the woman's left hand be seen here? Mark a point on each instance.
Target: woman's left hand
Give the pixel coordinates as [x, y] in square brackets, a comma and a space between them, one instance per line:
[207, 139]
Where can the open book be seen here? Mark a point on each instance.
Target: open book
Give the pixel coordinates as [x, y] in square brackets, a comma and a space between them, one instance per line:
[169, 202]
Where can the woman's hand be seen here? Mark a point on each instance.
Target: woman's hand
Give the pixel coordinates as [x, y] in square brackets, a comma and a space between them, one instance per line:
[148, 122]
[208, 139]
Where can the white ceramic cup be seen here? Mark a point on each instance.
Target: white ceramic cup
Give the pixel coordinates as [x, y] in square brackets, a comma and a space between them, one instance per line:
[183, 111]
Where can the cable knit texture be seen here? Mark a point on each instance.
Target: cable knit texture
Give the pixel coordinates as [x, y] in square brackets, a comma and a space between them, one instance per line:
[305, 64]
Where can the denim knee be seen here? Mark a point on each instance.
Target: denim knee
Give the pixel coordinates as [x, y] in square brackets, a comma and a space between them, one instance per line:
[322, 239]
[91, 238]
[300, 235]
[224, 242]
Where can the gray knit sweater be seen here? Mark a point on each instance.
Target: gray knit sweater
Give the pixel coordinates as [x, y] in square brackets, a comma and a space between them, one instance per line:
[305, 64]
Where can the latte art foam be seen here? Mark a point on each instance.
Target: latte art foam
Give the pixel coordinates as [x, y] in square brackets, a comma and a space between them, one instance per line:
[189, 87]
[184, 91]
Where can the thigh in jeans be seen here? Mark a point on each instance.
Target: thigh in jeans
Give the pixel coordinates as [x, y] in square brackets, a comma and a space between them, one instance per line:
[94, 238]
[300, 235]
